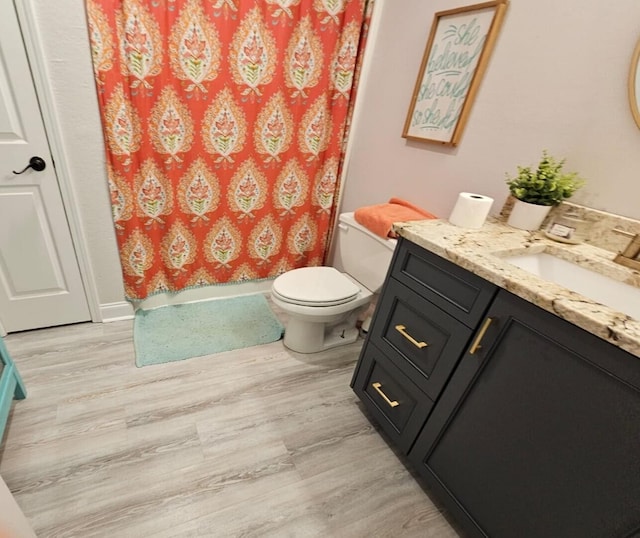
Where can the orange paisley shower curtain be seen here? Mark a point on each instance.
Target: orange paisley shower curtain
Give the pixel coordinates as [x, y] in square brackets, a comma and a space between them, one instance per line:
[223, 124]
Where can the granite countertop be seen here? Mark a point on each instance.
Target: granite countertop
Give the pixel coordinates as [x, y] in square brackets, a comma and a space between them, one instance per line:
[480, 252]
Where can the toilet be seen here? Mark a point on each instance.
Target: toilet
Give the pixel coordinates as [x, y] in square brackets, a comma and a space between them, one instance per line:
[323, 303]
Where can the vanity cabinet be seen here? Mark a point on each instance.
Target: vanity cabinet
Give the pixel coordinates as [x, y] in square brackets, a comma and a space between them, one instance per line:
[535, 433]
[424, 319]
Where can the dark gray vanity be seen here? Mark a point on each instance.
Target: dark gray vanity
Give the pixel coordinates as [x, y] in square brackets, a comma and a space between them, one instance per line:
[520, 423]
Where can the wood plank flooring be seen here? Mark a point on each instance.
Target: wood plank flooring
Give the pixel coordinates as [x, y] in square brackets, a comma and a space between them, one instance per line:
[261, 442]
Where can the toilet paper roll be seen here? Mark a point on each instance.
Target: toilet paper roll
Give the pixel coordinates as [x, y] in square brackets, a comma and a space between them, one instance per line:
[471, 210]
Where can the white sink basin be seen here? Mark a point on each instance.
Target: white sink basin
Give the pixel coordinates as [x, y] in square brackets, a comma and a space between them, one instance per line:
[607, 291]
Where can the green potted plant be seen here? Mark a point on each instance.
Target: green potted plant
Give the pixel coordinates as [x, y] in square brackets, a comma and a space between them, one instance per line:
[538, 190]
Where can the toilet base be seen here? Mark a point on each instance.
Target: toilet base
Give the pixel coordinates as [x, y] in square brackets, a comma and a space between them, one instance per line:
[310, 337]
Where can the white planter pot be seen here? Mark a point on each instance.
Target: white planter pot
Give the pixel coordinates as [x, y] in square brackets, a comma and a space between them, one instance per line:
[527, 216]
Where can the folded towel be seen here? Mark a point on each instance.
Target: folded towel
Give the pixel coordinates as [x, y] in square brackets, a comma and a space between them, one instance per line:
[379, 218]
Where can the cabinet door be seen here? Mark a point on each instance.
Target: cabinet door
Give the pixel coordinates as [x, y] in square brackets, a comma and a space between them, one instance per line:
[538, 432]
[423, 341]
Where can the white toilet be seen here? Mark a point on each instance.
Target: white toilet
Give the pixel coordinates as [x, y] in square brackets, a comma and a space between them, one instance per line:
[323, 303]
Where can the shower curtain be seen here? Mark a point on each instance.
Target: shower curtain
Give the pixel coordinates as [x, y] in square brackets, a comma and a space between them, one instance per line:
[223, 122]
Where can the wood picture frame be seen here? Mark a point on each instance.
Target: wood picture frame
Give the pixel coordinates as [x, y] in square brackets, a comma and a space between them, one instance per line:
[460, 43]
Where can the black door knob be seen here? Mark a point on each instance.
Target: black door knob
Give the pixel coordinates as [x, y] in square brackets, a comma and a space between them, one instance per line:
[37, 163]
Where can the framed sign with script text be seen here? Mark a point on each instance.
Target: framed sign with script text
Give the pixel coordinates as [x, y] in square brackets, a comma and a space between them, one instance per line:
[454, 61]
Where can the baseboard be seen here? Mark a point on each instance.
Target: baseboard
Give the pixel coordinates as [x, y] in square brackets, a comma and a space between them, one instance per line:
[206, 293]
[123, 310]
[116, 311]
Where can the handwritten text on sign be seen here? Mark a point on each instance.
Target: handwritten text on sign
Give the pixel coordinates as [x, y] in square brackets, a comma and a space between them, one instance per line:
[454, 56]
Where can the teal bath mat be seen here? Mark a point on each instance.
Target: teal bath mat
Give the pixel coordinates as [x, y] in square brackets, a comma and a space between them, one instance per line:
[177, 332]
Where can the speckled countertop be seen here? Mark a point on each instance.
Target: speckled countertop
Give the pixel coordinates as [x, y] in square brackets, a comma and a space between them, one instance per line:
[483, 251]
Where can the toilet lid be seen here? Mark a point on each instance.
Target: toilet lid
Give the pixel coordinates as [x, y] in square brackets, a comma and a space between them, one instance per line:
[315, 286]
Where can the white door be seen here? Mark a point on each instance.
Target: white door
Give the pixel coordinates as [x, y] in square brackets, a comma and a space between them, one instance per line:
[40, 282]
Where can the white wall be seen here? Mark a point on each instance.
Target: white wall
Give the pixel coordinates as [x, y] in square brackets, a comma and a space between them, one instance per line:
[64, 37]
[557, 79]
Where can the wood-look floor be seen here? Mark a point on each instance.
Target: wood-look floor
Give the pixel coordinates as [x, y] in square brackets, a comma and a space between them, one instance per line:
[260, 442]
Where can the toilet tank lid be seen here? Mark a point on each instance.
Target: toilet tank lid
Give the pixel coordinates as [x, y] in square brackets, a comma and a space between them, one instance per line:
[350, 220]
[315, 285]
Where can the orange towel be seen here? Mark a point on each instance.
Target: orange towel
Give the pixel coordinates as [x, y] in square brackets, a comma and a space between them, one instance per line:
[379, 218]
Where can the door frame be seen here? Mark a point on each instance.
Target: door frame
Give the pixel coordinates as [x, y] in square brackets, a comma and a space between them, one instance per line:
[33, 46]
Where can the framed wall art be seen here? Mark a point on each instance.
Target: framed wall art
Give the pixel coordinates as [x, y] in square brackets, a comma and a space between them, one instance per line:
[454, 61]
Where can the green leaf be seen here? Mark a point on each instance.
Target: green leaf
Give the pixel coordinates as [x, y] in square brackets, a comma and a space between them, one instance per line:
[547, 185]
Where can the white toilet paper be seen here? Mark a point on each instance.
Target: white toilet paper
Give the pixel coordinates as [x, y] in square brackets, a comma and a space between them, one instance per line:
[471, 210]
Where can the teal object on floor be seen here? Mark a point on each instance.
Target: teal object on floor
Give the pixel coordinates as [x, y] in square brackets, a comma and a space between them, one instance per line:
[177, 332]
[11, 385]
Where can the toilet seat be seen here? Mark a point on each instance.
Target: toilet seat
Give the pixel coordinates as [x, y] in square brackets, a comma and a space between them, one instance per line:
[315, 286]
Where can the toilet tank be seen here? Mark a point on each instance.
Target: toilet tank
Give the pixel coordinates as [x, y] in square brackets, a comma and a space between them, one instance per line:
[361, 253]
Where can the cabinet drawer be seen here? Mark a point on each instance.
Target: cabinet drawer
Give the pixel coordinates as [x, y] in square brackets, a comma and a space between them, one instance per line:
[457, 291]
[398, 405]
[421, 340]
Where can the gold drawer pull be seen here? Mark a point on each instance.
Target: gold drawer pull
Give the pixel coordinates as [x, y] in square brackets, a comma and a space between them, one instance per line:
[377, 386]
[476, 344]
[402, 330]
